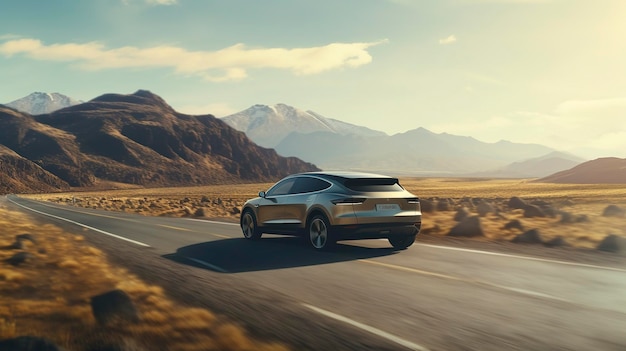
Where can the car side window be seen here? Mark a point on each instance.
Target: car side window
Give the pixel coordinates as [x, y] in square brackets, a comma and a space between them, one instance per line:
[282, 188]
[309, 185]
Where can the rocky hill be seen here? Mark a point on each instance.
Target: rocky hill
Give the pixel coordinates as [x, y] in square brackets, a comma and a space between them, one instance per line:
[608, 170]
[139, 139]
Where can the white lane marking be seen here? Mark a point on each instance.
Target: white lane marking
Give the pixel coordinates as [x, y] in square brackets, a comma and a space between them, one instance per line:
[82, 225]
[466, 280]
[214, 222]
[89, 212]
[524, 257]
[396, 339]
[207, 264]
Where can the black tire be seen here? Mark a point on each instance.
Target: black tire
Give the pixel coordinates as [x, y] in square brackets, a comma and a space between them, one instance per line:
[249, 226]
[318, 233]
[402, 242]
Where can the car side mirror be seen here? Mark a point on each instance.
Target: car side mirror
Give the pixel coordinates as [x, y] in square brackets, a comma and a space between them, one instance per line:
[262, 194]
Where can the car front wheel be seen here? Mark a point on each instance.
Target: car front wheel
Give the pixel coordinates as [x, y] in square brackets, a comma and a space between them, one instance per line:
[402, 242]
[318, 233]
[248, 226]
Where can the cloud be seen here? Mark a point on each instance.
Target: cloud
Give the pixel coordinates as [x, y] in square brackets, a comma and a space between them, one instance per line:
[228, 64]
[153, 2]
[162, 2]
[449, 40]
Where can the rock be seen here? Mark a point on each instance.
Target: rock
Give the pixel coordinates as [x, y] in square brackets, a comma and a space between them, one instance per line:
[26, 236]
[531, 211]
[484, 208]
[443, 205]
[556, 242]
[469, 227]
[200, 212]
[517, 203]
[613, 211]
[613, 243]
[205, 199]
[427, 205]
[549, 211]
[236, 210]
[582, 218]
[113, 306]
[566, 217]
[514, 224]
[461, 214]
[17, 245]
[29, 343]
[529, 237]
[20, 258]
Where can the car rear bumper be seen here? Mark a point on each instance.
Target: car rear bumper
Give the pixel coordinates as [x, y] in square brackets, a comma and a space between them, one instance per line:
[375, 231]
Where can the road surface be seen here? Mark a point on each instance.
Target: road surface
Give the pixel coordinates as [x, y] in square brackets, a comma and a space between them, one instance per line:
[364, 295]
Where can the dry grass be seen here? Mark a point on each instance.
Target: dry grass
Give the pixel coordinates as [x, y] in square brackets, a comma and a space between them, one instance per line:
[49, 296]
[225, 201]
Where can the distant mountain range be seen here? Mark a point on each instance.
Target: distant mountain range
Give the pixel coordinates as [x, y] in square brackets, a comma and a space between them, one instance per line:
[39, 103]
[332, 144]
[134, 139]
[269, 125]
[139, 139]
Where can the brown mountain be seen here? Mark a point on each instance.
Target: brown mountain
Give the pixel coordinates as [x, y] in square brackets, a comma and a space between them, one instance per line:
[140, 139]
[609, 170]
[18, 174]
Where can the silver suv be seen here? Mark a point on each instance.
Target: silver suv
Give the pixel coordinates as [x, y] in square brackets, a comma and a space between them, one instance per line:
[329, 206]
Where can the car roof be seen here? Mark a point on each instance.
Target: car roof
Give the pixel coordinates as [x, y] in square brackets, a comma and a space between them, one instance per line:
[346, 175]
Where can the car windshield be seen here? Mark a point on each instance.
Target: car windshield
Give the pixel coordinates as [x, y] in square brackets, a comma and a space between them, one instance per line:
[373, 184]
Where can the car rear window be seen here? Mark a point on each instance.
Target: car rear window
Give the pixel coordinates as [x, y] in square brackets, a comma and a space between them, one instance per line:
[373, 184]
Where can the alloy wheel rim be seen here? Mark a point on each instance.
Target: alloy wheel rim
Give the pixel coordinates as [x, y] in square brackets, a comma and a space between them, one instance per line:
[318, 233]
[248, 225]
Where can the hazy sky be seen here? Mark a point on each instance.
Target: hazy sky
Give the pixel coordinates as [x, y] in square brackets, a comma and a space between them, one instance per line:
[538, 71]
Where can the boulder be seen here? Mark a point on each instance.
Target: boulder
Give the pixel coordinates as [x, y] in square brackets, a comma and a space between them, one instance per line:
[29, 343]
[112, 307]
[26, 236]
[427, 205]
[469, 227]
[529, 237]
[461, 214]
[517, 203]
[613, 211]
[514, 224]
[443, 205]
[484, 208]
[531, 211]
[556, 242]
[613, 243]
[20, 258]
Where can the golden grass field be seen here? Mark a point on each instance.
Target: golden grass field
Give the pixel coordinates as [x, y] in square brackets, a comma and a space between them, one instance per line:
[50, 297]
[225, 201]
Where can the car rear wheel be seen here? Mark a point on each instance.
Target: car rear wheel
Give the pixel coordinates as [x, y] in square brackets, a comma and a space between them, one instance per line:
[248, 226]
[402, 242]
[318, 233]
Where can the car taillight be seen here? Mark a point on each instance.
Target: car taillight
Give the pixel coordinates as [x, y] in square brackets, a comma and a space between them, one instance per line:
[349, 201]
[413, 200]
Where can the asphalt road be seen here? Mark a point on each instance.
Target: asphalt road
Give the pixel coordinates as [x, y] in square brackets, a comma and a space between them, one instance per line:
[428, 297]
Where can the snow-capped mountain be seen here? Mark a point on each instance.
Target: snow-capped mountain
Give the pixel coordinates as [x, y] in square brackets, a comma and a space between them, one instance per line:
[269, 125]
[39, 103]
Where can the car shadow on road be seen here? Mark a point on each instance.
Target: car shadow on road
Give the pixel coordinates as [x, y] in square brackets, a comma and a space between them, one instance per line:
[238, 255]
